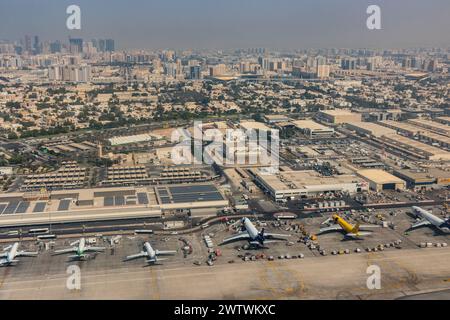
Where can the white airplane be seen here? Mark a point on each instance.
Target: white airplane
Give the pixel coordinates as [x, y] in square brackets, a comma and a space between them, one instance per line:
[79, 247]
[150, 254]
[11, 252]
[253, 236]
[429, 219]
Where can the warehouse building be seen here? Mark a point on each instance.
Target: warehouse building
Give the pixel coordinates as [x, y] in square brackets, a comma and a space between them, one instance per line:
[313, 129]
[370, 129]
[402, 127]
[122, 140]
[275, 118]
[436, 139]
[443, 120]
[432, 126]
[391, 139]
[290, 185]
[381, 180]
[416, 179]
[415, 148]
[339, 116]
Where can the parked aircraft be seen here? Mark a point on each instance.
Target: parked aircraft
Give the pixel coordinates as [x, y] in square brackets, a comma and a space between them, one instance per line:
[80, 248]
[429, 219]
[8, 257]
[150, 254]
[253, 236]
[340, 224]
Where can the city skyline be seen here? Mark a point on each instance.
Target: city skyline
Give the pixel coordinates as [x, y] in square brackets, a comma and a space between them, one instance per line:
[197, 24]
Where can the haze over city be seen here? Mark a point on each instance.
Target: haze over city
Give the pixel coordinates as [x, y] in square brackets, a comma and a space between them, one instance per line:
[234, 23]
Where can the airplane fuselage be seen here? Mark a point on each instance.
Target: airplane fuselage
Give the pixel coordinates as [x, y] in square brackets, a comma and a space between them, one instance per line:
[150, 251]
[251, 229]
[81, 247]
[347, 227]
[439, 223]
[12, 252]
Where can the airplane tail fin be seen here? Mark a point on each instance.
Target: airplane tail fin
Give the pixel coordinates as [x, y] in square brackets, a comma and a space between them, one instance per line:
[356, 228]
[262, 232]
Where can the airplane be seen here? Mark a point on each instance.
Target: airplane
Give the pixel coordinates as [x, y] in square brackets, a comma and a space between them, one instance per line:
[150, 254]
[253, 236]
[429, 219]
[11, 252]
[350, 231]
[79, 247]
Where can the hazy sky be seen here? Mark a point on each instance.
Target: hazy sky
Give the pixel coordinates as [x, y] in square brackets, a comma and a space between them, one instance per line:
[233, 23]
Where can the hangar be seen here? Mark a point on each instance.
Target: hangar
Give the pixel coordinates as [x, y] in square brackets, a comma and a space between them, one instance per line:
[381, 180]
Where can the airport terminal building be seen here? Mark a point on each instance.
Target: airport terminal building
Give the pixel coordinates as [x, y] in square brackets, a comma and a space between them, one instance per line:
[102, 204]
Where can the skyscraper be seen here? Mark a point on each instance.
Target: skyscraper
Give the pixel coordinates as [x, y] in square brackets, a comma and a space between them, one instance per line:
[194, 72]
[76, 45]
[28, 46]
[109, 45]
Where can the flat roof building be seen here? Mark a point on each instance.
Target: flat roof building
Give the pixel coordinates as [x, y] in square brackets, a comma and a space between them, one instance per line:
[289, 185]
[253, 125]
[370, 129]
[275, 118]
[431, 125]
[339, 116]
[443, 120]
[313, 129]
[381, 180]
[415, 148]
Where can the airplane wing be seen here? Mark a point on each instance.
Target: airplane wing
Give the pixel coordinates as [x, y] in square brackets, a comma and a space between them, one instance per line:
[240, 236]
[75, 243]
[357, 235]
[135, 256]
[164, 252]
[368, 226]
[334, 227]
[62, 251]
[269, 235]
[94, 248]
[7, 248]
[3, 254]
[26, 254]
[421, 223]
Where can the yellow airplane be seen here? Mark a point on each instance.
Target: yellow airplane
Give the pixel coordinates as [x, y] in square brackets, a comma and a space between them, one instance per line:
[339, 224]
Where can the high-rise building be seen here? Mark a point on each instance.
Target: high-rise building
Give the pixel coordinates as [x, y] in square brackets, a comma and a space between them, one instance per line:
[217, 70]
[70, 73]
[55, 47]
[37, 45]
[76, 45]
[194, 72]
[28, 46]
[322, 71]
[348, 64]
[109, 45]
